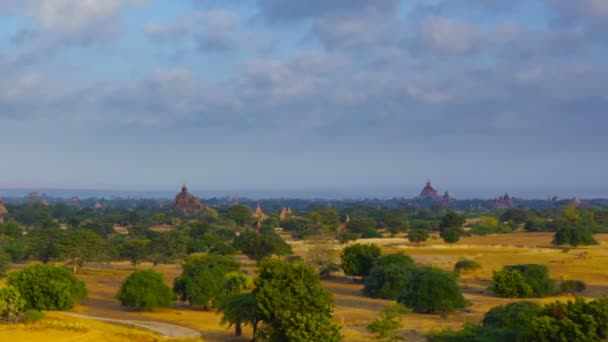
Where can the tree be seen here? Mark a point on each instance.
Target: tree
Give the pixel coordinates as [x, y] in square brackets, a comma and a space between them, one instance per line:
[466, 265]
[235, 284]
[202, 281]
[518, 216]
[509, 283]
[293, 304]
[387, 281]
[12, 304]
[46, 287]
[537, 276]
[574, 236]
[5, 261]
[145, 290]
[80, 246]
[358, 259]
[259, 246]
[169, 246]
[365, 226]
[417, 236]
[431, 290]
[571, 214]
[395, 221]
[386, 325]
[241, 214]
[136, 250]
[451, 220]
[241, 309]
[43, 243]
[450, 234]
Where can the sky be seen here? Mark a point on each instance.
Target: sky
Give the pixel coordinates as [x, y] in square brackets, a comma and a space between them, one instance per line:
[369, 96]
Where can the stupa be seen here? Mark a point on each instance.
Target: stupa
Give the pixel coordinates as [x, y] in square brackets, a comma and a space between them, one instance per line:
[504, 202]
[185, 202]
[428, 192]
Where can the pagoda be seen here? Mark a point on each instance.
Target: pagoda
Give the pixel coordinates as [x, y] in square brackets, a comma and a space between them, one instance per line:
[504, 202]
[186, 203]
[3, 212]
[428, 192]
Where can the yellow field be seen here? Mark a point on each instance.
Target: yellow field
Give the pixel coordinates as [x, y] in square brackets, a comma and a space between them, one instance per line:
[353, 310]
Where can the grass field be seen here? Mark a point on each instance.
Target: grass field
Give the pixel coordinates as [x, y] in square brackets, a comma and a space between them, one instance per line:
[353, 311]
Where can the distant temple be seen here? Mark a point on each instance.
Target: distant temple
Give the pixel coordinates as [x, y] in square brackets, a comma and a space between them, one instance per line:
[259, 214]
[187, 203]
[446, 199]
[3, 212]
[98, 206]
[576, 202]
[285, 214]
[504, 202]
[428, 192]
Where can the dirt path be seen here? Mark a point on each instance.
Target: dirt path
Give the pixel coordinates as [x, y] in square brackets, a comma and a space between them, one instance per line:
[164, 329]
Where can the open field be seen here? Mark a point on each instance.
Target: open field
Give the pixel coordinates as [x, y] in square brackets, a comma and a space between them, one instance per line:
[353, 310]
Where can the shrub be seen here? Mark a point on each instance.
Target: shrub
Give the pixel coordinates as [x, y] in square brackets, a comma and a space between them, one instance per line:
[509, 283]
[399, 259]
[12, 304]
[572, 286]
[431, 290]
[466, 265]
[387, 281]
[417, 236]
[145, 290]
[5, 261]
[513, 315]
[46, 287]
[574, 236]
[537, 276]
[31, 316]
[358, 259]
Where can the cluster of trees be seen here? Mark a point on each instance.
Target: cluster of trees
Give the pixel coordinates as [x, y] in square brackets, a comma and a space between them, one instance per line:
[36, 288]
[395, 276]
[576, 320]
[521, 281]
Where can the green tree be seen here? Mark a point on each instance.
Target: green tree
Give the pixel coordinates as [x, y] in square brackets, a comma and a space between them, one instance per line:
[202, 281]
[80, 246]
[241, 309]
[450, 234]
[12, 304]
[387, 281]
[537, 276]
[145, 290]
[168, 247]
[574, 236]
[5, 261]
[431, 290]
[385, 327]
[509, 283]
[571, 214]
[43, 243]
[259, 246]
[417, 236]
[293, 304]
[46, 287]
[395, 221]
[451, 220]
[136, 250]
[358, 259]
[241, 214]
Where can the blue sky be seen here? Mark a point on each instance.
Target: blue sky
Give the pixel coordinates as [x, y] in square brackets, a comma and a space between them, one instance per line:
[296, 95]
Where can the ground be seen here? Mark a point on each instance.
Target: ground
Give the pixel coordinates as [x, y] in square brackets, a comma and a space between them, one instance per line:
[353, 311]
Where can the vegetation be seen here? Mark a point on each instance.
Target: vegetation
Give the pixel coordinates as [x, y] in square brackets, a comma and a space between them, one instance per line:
[574, 236]
[431, 290]
[12, 304]
[522, 281]
[466, 265]
[573, 286]
[358, 259]
[389, 276]
[46, 287]
[385, 326]
[417, 236]
[145, 290]
[293, 305]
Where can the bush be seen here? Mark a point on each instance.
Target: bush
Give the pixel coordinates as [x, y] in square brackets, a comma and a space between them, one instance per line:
[46, 287]
[574, 236]
[417, 236]
[537, 276]
[513, 315]
[431, 290]
[399, 259]
[466, 265]
[31, 316]
[387, 281]
[509, 283]
[358, 259]
[572, 286]
[145, 290]
[5, 261]
[12, 304]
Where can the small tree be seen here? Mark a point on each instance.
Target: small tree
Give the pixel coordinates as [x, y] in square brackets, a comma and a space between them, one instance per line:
[241, 309]
[12, 305]
[450, 234]
[387, 281]
[574, 236]
[358, 259]
[46, 287]
[431, 290]
[293, 304]
[202, 281]
[385, 326]
[80, 246]
[136, 250]
[5, 261]
[417, 236]
[466, 265]
[145, 290]
[509, 283]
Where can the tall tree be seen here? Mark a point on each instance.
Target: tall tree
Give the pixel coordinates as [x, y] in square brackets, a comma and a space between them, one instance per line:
[80, 246]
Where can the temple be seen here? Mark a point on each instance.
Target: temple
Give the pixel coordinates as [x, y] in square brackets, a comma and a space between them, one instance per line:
[187, 203]
[446, 199]
[428, 192]
[285, 214]
[504, 202]
[259, 214]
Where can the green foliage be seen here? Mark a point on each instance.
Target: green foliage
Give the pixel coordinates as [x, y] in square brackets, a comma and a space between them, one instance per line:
[509, 283]
[145, 290]
[451, 220]
[466, 265]
[510, 321]
[31, 316]
[431, 290]
[293, 304]
[5, 261]
[450, 234]
[202, 281]
[241, 214]
[136, 250]
[399, 259]
[240, 309]
[572, 286]
[522, 281]
[387, 281]
[574, 236]
[345, 237]
[80, 246]
[571, 214]
[417, 236]
[365, 226]
[259, 246]
[12, 304]
[46, 287]
[518, 216]
[358, 259]
[385, 326]
[237, 282]
[43, 243]
[168, 247]
[395, 221]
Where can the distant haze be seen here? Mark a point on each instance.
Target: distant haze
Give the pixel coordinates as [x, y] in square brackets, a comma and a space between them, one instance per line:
[305, 98]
